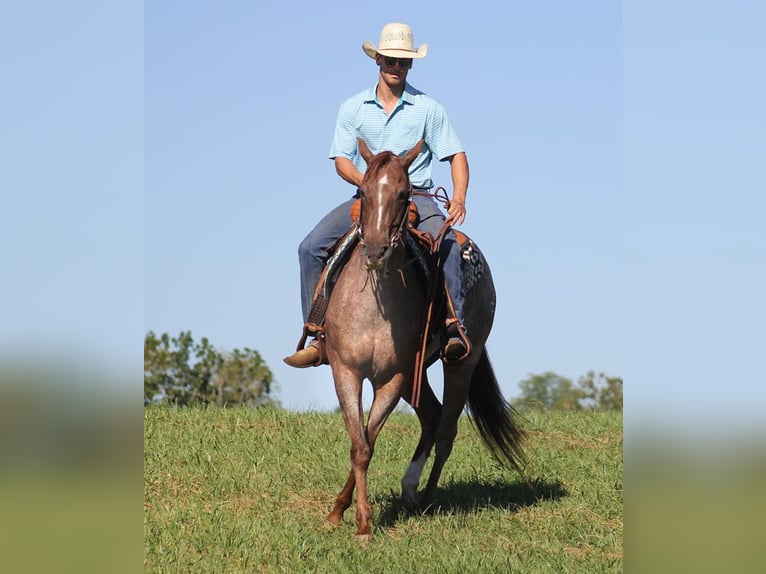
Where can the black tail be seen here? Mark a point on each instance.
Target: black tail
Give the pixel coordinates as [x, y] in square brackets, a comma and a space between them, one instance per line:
[494, 417]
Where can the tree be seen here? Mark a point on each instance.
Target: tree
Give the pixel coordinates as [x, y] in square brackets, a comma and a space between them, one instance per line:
[601, 392]
[179, 371]
[552, 391]
[610, 397]
[167, 372]
[549, 391]
[243, 378]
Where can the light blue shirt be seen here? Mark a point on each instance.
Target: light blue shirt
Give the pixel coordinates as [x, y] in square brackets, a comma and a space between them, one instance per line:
[416, 116]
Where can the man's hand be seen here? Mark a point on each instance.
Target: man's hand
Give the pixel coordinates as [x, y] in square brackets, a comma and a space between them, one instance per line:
[456, 212]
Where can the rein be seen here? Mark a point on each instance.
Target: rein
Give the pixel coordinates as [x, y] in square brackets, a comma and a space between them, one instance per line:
[434, 245]
[440, 194]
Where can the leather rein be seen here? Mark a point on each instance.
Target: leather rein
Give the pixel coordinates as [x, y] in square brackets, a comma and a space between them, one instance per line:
[440, 194]
[434, 245]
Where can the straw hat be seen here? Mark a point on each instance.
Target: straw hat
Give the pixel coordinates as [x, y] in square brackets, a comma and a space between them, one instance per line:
[396, 41]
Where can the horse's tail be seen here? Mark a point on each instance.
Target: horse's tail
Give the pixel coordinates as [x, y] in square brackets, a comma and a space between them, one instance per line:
[494, 417]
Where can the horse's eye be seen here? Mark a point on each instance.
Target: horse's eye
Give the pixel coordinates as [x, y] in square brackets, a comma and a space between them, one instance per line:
[403, 196]
[360, 193]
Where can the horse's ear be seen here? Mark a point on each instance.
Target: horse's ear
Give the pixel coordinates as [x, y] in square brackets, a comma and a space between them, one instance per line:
[410, 156]
[364, 151]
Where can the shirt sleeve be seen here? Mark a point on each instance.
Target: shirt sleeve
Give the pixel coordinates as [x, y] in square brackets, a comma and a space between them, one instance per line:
[440, 135]
[344, 141]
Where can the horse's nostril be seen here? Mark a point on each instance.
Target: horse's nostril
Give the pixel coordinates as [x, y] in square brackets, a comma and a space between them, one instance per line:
[376, 256]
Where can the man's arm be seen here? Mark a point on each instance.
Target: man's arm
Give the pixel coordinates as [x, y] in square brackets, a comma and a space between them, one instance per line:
[460, 176]
[347, 170]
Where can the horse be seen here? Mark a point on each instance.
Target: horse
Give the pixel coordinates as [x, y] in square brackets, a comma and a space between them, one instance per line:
[373, 327]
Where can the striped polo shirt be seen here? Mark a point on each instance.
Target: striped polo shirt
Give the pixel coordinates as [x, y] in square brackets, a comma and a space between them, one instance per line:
[416, 116]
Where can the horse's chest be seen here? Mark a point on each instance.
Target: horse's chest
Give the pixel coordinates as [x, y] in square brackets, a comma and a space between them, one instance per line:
[375, 311]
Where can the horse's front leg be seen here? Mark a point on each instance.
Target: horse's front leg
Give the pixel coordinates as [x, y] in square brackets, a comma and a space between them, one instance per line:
[343, 501]
[348, 387]
[361, 453]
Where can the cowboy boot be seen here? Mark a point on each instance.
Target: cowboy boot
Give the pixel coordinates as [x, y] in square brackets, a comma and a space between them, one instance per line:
[456, 344]
[310, 356]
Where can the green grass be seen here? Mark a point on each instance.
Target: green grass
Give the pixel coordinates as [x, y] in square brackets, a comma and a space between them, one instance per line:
[241, 490]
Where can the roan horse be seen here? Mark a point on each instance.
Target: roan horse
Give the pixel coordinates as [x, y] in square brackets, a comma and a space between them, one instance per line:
[373, 325]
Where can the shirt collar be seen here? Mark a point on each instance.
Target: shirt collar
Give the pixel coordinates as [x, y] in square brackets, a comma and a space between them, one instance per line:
[407, 95]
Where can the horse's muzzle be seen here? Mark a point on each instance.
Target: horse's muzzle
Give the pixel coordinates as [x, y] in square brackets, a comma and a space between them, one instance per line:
[376, 257]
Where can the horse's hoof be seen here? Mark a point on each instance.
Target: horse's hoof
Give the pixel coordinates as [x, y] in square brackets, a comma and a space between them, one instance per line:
[410, 502]
[363, 538]
[334, 520]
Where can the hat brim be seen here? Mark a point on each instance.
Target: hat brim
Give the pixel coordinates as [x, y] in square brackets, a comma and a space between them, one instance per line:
[370, 49]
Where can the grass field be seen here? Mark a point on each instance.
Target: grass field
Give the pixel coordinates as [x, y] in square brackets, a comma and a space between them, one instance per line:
[238, 490]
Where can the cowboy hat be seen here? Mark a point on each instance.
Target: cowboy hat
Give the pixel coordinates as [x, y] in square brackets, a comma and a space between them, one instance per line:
[395, 41]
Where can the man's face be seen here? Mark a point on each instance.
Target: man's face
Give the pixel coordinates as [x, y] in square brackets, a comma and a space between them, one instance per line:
[395, 69]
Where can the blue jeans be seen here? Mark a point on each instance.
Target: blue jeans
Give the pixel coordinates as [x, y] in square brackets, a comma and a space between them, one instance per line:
[313, 251]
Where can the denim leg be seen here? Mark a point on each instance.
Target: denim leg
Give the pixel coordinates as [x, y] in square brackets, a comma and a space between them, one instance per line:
[313, 251]
[432, 220]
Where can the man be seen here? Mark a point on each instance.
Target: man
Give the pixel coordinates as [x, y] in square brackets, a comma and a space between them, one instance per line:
[392, 116]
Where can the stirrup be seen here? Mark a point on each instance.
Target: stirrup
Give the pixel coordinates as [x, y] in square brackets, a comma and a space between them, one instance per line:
[313, 354]
[456, 345]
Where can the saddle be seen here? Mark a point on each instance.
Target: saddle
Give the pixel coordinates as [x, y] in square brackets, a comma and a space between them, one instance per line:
[423, 247]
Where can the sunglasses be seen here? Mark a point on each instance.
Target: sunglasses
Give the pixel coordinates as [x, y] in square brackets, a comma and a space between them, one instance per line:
[404, 63]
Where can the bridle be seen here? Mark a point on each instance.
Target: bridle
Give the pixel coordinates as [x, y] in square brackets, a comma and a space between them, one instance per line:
[398, 225]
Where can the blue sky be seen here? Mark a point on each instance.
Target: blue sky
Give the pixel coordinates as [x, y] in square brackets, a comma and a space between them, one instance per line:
[237, 131]
[71, 176]
[164, 163]
[693, 156]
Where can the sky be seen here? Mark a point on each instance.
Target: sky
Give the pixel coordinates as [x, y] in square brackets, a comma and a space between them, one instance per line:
[237, 131]
[163, 163]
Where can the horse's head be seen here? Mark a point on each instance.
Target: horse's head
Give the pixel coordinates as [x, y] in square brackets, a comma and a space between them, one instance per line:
[385, 196]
